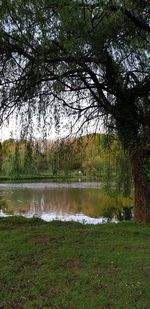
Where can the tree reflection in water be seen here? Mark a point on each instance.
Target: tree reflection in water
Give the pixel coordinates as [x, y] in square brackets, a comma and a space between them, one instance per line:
[64, 202]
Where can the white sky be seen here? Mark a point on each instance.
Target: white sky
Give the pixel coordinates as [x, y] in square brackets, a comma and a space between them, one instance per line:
[13, 129]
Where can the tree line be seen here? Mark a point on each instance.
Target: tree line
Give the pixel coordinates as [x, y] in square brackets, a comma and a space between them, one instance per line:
[86, 157]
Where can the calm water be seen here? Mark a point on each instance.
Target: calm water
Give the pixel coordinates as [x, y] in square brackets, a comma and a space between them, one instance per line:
[83, 202]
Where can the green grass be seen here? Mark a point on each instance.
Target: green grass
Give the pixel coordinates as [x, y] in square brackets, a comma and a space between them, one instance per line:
[46, 177]
[73, 266]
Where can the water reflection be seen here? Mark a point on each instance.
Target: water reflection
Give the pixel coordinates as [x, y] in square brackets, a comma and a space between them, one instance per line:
[83, 202]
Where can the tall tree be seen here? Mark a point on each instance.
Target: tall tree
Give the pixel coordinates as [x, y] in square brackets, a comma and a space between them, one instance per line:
[29, 167]
[1, 157]
[88, 56]
[16, 162]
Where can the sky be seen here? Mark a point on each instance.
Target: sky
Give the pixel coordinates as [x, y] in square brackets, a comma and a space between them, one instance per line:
[13, 129]
[5, 132]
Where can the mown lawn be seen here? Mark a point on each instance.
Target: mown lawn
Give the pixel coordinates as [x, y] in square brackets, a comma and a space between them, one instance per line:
[73, 266]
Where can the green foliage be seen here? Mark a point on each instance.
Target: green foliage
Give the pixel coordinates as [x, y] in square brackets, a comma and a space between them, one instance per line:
[8, 149]
[93, 156]
[1, 157]
[88, 60]
[78, 51]
[16, 167]
[54, 162]
[29, 166]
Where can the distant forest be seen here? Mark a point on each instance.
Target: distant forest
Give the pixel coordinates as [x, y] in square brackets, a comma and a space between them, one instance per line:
[92, 157]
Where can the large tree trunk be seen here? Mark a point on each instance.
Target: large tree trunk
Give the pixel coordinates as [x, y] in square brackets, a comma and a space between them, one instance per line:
[141, 188]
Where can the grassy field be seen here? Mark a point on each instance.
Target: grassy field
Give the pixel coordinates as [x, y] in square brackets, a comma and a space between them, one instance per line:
[73, 266]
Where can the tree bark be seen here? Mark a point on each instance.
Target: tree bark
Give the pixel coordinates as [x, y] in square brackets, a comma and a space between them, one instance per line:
[141, 188]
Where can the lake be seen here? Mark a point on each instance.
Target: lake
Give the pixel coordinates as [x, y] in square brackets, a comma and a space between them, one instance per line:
[82, 202]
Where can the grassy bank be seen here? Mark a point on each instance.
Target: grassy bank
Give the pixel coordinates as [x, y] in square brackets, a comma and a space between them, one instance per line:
[36, 178]
[73, 266]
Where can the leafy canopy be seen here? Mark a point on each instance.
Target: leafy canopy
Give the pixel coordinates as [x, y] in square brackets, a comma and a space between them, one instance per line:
[89, 58]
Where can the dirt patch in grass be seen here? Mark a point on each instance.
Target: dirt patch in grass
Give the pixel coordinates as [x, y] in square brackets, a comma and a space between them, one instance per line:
[56, 291]
[72, 266]
[42, 239]
[106, 306]
[7, 229]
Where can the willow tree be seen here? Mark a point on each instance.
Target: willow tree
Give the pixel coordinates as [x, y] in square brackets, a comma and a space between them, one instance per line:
[91, 57]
